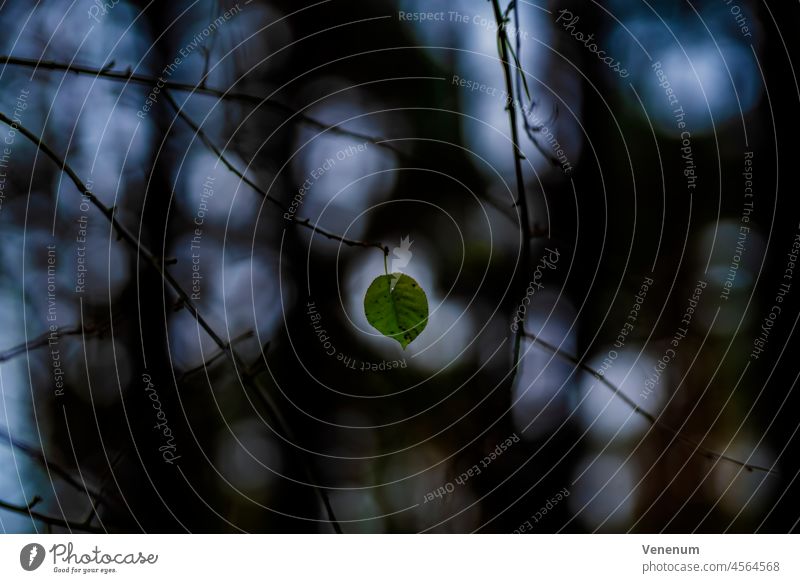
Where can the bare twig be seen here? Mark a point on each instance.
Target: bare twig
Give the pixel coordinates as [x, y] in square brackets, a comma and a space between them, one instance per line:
[522, 201]
[31, 451]
[216, 356]
[94, 510]
[230, 166]
[44, 339]
[652, 419]
[129, 76]
[158, 264]
[39, 456]
[537, 231]
[530, 130]
[106, 72]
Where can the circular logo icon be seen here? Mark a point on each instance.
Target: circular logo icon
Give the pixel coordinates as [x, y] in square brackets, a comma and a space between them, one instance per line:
[31, 556]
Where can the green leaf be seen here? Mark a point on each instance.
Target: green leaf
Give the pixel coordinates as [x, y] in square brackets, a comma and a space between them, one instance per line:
[397, 307]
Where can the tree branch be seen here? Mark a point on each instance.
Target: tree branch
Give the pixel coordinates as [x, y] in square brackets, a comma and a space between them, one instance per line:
[158, 264]
[129, 76]
[28, 450]
[216, 356]
[95, 508]
[39, 456]
[652, 419]
[522, 201]
[230, 166]
[44, 339]
[530, 130]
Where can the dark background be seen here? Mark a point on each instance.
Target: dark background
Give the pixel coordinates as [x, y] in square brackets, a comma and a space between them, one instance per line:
[378, 442]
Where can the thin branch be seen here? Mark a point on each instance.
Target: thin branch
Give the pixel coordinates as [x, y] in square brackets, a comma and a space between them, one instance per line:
[32, 452]
[44, 339]
[655, 421]
[122, 231]
[216, 356]
[522, 201]
[530, 130]
[230, 166]
[537, 231]
[94, 510]
[39, 456]
[158, 264]
[106, 72]
[129, 76]
[27, 510]
[205, 50]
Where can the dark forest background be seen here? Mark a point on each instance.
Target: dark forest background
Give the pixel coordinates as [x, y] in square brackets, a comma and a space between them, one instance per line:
[268, 430]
